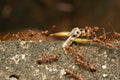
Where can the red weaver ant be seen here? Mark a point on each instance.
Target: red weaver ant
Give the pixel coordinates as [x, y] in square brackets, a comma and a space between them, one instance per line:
[48, 59]
[74, 74]
[86, 64]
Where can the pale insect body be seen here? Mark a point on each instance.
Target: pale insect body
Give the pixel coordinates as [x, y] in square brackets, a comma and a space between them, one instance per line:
[74, 36]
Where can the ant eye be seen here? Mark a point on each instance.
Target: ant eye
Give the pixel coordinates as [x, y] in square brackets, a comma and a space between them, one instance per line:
[77, 32]
[74, 35]
[81, 30]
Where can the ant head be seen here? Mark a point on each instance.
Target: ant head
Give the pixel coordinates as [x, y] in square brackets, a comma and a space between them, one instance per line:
[83, 32]
[75, 32]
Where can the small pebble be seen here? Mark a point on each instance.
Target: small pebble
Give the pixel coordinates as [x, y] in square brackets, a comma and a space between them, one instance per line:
[105, 75]
[50, 70]
[73, 67]
[6, 67]
[104, 66]
[37, 70]
[62, 72]
[104, 52]
[13, 78]
[105, 56]
[105, 61]
[113, 60]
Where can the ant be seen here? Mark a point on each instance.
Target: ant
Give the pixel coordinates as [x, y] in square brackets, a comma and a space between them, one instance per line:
[76, 52]
[86, 64]
[27, 34]
[48, 59]
[115, 35]
[74, 74]
[47, 32]
[79, 35]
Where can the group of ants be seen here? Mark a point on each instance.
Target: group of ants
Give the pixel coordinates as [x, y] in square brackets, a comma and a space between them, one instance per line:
[96, 34]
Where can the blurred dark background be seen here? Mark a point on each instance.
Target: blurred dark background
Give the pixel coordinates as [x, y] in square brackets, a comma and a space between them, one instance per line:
[65, 14]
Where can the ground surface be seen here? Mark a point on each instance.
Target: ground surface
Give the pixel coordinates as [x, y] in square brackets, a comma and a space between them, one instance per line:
[18, 61]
